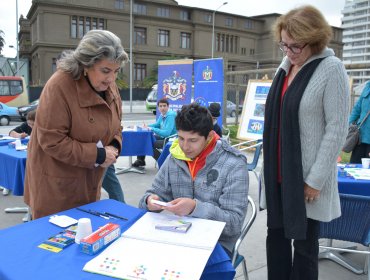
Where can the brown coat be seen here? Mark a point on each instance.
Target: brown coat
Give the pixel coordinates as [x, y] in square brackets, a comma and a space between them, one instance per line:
[71, 119]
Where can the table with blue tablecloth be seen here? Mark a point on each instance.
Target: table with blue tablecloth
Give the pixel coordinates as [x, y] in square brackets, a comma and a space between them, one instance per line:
[21, 258]
[348, 185]
[12, 169]
[136, 143]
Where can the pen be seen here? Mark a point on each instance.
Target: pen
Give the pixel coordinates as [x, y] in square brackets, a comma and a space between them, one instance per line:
[115, 216]
[95, 213]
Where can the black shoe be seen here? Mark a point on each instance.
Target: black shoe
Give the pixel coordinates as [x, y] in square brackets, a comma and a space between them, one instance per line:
[138, 163]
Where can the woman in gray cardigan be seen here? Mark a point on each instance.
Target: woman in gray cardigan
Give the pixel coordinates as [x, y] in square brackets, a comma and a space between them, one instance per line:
[305, 127]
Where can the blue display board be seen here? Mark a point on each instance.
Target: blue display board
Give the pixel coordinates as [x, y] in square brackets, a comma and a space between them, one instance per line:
[209, 82]
[175, 82]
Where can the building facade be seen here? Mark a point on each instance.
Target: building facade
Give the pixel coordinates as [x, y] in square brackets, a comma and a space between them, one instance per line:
[161, 29]
[356, 39]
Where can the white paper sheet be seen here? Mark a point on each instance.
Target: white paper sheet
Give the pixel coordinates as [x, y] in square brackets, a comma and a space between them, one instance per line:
[203, 233]
[136, 259]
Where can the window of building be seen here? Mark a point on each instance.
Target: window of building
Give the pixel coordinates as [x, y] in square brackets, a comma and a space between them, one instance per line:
[139, 71]
[228, 21]
[74, 27]
[140, 9]
[80, 27]
[185, 15]
[226, 43]
[185, 40]
[163, 12]
[118, 4]
[251, 51]
[208, 18]
[140, 36]
[84, 25]
[248, 24]
[163, 38]
[244, 51]
[88, 24]
[53, 65]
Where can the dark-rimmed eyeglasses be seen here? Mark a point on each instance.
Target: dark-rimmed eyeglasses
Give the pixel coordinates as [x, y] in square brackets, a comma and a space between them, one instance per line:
[293, 48]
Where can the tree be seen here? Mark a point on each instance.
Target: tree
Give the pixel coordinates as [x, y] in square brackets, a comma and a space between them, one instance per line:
[2, 41]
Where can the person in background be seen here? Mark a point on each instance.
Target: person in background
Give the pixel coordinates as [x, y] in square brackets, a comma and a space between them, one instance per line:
[162, 128]
[77, 133]
[359, 112]
[112, 185]
[214, 109]
[22, 131]
[25, 129]
[305, 127]
[203, 177]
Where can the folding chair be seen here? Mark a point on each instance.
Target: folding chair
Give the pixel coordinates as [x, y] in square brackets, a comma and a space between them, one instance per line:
[353, 226]
[236, 257]
[257, 144]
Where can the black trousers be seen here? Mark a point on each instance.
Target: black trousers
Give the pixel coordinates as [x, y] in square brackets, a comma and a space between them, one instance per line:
[283, 265]
[158, 144]
[360, 151]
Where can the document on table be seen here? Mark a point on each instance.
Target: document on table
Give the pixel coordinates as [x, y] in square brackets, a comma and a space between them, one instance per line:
[136, 259]
[359, 173]
[202, 234]
[144, 252]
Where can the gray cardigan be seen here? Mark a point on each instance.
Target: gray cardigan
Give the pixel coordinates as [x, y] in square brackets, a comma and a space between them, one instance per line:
[323, 121]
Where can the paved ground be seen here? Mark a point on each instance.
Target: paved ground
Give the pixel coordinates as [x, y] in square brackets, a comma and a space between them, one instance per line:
[253, 248]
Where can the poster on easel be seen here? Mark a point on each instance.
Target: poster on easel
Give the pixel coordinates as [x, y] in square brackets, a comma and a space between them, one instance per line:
[252, 119]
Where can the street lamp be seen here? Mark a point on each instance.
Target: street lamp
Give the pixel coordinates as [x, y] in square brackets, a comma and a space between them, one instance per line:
[213, 25]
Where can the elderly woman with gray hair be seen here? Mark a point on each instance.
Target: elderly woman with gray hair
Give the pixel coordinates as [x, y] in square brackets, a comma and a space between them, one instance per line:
[77, 132]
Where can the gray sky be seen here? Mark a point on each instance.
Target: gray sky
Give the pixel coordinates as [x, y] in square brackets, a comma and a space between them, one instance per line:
[330, 8]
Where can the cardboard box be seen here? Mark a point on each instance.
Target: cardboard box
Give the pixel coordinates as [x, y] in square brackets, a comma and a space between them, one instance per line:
[100, 238]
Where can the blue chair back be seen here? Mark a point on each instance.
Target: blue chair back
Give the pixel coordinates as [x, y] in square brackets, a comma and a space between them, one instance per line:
[354, 224]
[257, 153]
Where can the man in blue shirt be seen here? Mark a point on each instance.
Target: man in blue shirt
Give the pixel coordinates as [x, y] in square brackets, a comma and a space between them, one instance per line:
[162, 128]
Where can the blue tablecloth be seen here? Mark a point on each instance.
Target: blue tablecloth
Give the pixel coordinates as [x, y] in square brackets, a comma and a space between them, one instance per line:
[20, 257]
[137, 143]
[348, 185]
[12, 169]
[5, 142]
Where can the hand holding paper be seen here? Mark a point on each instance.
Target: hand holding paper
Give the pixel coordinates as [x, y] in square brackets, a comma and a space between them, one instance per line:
[182, 206]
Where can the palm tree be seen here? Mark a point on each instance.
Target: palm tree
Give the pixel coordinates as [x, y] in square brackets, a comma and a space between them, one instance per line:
[2, 41]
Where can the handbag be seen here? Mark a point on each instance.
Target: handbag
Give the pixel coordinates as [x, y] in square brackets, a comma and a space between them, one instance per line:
[353, 136]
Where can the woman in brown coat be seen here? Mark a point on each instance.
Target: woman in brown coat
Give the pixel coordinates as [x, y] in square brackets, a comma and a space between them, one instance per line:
[80, 106]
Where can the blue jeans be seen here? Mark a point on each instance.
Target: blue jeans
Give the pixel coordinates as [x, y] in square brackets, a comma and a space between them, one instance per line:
[111, 184]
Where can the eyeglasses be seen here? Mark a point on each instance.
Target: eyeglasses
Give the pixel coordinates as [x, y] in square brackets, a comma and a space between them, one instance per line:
[293, 48]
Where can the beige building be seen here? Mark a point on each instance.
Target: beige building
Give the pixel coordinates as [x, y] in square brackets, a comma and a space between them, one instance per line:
[161, 29]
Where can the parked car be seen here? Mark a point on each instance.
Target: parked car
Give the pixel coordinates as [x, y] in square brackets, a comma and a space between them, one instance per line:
[230, 108]
[151, 100]
[7, 114]
[23, 110]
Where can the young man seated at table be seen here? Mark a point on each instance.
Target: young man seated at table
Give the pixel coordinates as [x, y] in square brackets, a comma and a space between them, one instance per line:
[204, 177]
[25, 128]
[162, 128]
[22, 131]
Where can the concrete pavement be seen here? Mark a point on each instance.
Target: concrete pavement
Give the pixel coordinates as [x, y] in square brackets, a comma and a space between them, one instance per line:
[253, 247]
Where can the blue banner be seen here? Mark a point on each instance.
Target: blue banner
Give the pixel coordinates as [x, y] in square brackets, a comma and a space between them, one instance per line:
[209, 83]
[175, 82]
